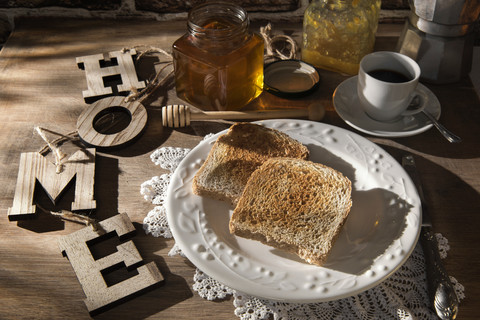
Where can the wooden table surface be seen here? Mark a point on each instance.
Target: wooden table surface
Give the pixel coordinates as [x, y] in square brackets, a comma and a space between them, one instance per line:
[41, 85]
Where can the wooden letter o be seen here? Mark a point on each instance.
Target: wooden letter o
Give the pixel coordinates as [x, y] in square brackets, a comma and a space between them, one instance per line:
[87, 132]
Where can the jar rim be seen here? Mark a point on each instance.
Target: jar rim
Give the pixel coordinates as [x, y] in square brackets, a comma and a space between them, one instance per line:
[202, 14]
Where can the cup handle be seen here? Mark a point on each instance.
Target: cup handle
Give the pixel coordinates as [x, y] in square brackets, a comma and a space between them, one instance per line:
[420, 100]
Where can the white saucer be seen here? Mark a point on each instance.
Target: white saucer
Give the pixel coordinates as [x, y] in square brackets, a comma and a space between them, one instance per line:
[347, 105]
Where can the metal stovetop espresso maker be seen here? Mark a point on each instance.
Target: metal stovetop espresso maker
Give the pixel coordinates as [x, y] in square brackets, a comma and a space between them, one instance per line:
[439, 35]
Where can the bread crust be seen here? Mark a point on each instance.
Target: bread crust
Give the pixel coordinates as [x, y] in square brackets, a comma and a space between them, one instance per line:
[236, 154]
[294, 205]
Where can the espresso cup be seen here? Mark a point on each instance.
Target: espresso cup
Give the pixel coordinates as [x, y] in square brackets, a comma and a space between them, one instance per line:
[387, 84]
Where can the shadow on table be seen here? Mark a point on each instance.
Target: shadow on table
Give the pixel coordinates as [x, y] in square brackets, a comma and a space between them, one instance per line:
[448, 196]
[461, 118]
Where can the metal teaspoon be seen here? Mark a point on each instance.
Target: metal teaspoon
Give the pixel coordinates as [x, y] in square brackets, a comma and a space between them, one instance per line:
[450, 136]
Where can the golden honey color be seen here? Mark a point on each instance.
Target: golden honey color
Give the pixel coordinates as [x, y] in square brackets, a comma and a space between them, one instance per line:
[218, 63]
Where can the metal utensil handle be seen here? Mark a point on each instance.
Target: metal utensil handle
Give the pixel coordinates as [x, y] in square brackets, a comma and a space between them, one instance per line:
[450, 136]
[440, 288]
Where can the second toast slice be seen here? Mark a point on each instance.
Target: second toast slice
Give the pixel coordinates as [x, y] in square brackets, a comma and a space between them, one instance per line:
[295, 205]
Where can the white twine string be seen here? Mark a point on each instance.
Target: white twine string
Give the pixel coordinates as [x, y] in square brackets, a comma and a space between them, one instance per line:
[59, 156]
[53, 145]
[287, 44]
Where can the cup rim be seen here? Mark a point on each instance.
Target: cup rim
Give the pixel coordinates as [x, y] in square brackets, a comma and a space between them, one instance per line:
[411, 67]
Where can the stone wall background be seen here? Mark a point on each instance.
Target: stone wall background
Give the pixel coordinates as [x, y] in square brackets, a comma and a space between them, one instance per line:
[164, 10]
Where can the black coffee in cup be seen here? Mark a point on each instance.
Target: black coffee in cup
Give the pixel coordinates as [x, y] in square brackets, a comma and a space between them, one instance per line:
[386, 82]
[388, 76]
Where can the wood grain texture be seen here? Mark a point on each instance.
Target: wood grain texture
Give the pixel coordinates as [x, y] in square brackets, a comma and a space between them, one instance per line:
[120, 64]
[35, 167]
[91, 136]
[41, 85]
[177, 116]
[90, 271]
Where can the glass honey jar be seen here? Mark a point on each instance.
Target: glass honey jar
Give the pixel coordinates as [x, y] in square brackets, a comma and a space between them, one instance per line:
[218, 62]
[338, 33]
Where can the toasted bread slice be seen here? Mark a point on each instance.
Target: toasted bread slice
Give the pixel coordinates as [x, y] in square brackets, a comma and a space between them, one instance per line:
[236, 154]
[295, 205]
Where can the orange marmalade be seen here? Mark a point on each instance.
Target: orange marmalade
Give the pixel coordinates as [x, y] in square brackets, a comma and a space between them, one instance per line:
[338, 33]
[218, 62]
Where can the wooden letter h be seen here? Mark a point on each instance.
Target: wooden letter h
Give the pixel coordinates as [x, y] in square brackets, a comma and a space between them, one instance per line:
[95, 73]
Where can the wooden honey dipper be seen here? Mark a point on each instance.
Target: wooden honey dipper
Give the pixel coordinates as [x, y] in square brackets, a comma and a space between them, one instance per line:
[178, 115]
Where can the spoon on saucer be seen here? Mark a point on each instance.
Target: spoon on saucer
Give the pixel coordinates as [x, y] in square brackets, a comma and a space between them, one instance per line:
[450, 136]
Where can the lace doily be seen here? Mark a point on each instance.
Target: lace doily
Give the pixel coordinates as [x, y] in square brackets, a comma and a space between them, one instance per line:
[401, 296]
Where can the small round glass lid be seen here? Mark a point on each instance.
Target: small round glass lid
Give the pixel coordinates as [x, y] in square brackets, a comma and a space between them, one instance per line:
[290, 78]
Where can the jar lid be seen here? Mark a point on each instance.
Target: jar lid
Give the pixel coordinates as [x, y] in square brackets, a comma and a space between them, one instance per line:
[290, 78]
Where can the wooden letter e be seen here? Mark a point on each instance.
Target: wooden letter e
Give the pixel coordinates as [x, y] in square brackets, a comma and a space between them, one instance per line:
[90, 270]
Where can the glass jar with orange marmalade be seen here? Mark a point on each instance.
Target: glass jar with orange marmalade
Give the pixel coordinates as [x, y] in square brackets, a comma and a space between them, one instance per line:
[218, 62]
[338, 33]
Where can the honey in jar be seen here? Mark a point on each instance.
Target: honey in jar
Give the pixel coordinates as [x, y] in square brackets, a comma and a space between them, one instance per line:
[338, 33]
[218, 62]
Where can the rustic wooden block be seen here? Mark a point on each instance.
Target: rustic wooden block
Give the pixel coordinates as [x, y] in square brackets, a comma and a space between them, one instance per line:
[121, 64]
[87, 132]
[35, 167]
[100, 296]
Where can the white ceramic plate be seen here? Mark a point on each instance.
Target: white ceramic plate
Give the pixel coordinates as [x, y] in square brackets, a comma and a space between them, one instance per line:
[378, 236]
[347, 105]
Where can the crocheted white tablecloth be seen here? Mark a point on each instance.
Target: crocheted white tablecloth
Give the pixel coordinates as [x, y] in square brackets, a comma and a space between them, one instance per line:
[401, 296]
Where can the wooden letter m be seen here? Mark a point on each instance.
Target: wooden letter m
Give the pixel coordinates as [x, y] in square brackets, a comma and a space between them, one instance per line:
[35, 167]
